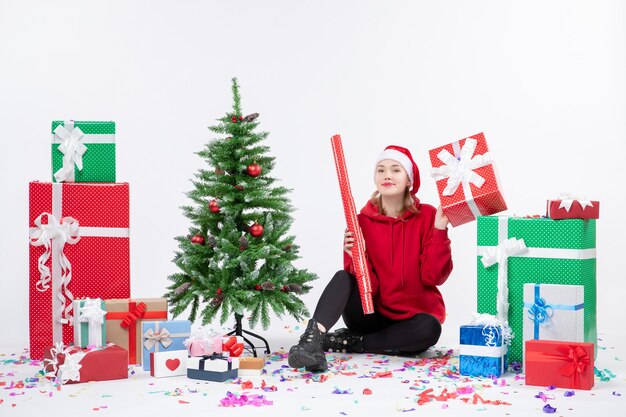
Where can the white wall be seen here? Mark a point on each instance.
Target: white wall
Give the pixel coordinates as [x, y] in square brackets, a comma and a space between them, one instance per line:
[543, 79]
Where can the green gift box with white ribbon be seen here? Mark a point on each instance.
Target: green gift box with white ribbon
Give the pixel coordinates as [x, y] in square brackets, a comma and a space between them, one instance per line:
[513, 251]
[83, 151]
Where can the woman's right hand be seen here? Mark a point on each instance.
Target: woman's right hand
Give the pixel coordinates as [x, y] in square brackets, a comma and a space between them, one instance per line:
[348, 242]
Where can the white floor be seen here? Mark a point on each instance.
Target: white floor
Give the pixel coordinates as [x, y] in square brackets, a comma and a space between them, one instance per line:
[395, 385]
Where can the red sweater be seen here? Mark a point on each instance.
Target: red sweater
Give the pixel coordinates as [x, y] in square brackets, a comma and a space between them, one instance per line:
[408, 257]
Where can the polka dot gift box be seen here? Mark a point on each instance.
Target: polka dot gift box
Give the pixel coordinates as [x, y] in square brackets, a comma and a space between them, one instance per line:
[558, 252]
[83, 151]
[79, 248]
[466, 178]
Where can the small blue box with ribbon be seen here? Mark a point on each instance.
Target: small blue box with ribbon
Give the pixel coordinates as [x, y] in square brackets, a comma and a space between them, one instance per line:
[163, 336]
[482, 351]
[554, 312]
[215, 367]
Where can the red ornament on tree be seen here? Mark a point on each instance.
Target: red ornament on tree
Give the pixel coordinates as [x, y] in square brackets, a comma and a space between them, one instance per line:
[233, 119]
[240, 118]
[213, 206]
[254, 170]
[258, 287]
[256, 230]
[285, 288]
[197, 240]
[239, 187]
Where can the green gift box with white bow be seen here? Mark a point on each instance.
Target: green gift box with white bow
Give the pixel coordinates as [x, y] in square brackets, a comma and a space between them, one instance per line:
[83, 151]
[89, 323]
[513, 251]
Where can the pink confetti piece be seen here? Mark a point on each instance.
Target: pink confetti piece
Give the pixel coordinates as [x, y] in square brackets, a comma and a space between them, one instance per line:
[233, 400]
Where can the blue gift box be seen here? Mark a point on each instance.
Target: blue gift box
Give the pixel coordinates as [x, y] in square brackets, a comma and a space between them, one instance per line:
[163, 336]
[482, 351]
[216, 367]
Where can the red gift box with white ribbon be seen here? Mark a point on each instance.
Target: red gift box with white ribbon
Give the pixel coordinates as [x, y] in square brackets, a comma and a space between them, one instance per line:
[466, 178]
[79, 248]
[572, 207]
[74, 365]
[557, 363]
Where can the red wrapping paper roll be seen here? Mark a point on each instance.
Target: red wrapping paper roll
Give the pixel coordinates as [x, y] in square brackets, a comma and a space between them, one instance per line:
[358, 249]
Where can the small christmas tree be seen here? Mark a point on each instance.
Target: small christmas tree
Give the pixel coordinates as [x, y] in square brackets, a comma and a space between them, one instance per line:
[238, 257]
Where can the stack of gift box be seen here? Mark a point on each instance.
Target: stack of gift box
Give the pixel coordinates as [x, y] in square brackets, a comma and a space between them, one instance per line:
[82, 320]
[536, 274]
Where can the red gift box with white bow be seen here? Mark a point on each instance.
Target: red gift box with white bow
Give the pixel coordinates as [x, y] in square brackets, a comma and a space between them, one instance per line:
[79, 248]
[73, 364]
[557, 363]
[571, 207]
[466, 180]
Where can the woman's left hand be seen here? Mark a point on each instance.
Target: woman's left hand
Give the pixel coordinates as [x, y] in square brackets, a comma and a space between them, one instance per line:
[441, 220]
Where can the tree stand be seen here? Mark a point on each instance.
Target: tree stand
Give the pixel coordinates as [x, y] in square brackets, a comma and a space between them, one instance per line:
[239, 331]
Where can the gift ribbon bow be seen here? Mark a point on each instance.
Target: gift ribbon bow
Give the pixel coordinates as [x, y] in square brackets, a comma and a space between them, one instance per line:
[577, 360]
[540, 312]
[215, 356]
[70, 369]
[92, 312]
[493, 328]
[152, 338]
[500, 255]
[459, 169]
[72, 148]
[64, 231]
[232, 346]
[567, 200]
[132, 316]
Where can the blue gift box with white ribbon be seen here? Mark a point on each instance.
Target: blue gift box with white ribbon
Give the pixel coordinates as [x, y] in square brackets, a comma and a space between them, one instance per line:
[482, 351]
[163, 336]
[554, 312]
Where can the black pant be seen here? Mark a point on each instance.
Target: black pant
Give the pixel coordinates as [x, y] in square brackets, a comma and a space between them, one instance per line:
[341, 298]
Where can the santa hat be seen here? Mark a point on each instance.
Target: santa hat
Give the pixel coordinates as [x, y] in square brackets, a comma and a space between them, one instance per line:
[402, 155]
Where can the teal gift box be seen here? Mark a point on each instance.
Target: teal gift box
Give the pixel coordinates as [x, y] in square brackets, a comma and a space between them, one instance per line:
[555, 252]
[163, 336]
[89, 322]
[83, 151]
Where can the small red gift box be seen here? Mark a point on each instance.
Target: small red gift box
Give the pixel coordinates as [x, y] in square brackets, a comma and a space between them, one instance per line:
[73, 364]
[79, 248]
[568, 207]
[466, 180]
[562, 364]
